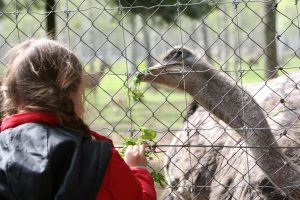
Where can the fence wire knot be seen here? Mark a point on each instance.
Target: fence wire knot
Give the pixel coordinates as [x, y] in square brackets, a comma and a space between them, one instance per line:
[178, 5]
[278, 37]
[245, 131]
[241, 71]
[235, 3]
[192, 189]
[274, 7]
[67, 12]
[284, 133]
[16, 13]
[120, 9]
[187, 130]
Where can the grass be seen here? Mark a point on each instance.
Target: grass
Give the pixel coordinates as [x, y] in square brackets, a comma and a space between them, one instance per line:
[254, 73]
[159, 109]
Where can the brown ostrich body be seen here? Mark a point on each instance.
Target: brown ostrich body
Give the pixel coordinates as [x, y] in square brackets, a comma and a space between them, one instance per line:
[238, 134]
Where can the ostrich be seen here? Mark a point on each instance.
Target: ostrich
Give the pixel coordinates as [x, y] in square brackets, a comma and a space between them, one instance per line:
[217, 170]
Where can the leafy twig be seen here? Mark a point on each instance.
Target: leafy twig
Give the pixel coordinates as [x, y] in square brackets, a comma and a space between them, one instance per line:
[133, 89]
[146, 136]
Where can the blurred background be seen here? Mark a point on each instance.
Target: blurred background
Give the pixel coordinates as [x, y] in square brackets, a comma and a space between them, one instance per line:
[251, 41]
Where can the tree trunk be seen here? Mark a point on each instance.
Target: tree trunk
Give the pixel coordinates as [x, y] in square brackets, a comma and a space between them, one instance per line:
[205, 42]
[146, 42]
[1, 4]
[194, 30]
[134, 50]
[270, 40]
[226, 36]
[50, 19]
[92, 38]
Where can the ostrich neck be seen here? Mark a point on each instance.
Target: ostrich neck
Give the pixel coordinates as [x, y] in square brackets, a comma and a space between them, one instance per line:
[221, 96]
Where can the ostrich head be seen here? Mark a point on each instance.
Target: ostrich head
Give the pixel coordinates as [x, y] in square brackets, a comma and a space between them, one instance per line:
[176, 69]
[179, 55]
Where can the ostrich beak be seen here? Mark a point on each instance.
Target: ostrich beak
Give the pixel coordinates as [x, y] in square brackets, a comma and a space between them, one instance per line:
[159, 73]
[175, 75]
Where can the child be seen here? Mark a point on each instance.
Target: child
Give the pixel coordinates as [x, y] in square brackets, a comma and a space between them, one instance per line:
[46, 150]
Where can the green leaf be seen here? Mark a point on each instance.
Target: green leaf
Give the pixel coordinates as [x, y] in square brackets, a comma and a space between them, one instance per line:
[136, 80]
[126, 143]
[147, 133]
[143, 67]
[129, 141]
[158, 178]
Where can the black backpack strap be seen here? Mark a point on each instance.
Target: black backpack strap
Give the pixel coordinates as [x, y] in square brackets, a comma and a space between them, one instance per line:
[97, 155]
[87, 167]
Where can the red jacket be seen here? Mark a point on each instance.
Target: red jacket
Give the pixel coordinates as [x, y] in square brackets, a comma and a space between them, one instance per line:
[120, 181]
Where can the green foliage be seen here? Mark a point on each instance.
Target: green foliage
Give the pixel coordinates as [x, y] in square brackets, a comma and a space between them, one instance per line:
[22, 4]
[194, 9]
[158, 178]
[127, 142]
[142, 67]
[146, 136]
[1, 4]
[133, 89]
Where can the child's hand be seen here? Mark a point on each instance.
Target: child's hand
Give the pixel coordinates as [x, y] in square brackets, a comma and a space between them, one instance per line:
[135, 155]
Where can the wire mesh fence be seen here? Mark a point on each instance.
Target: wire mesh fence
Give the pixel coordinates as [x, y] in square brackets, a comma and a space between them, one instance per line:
[224, 99]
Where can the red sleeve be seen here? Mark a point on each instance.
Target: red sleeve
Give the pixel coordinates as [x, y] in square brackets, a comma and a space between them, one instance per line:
[146, 181]
[121, 182]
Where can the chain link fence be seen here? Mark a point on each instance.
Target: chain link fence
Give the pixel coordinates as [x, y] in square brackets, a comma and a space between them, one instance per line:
[213, 140]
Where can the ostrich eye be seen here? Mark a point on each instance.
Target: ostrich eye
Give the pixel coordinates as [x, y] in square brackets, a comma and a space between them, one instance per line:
[177, 55]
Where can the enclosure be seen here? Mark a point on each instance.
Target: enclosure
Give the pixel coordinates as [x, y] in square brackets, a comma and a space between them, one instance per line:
[200, 151]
